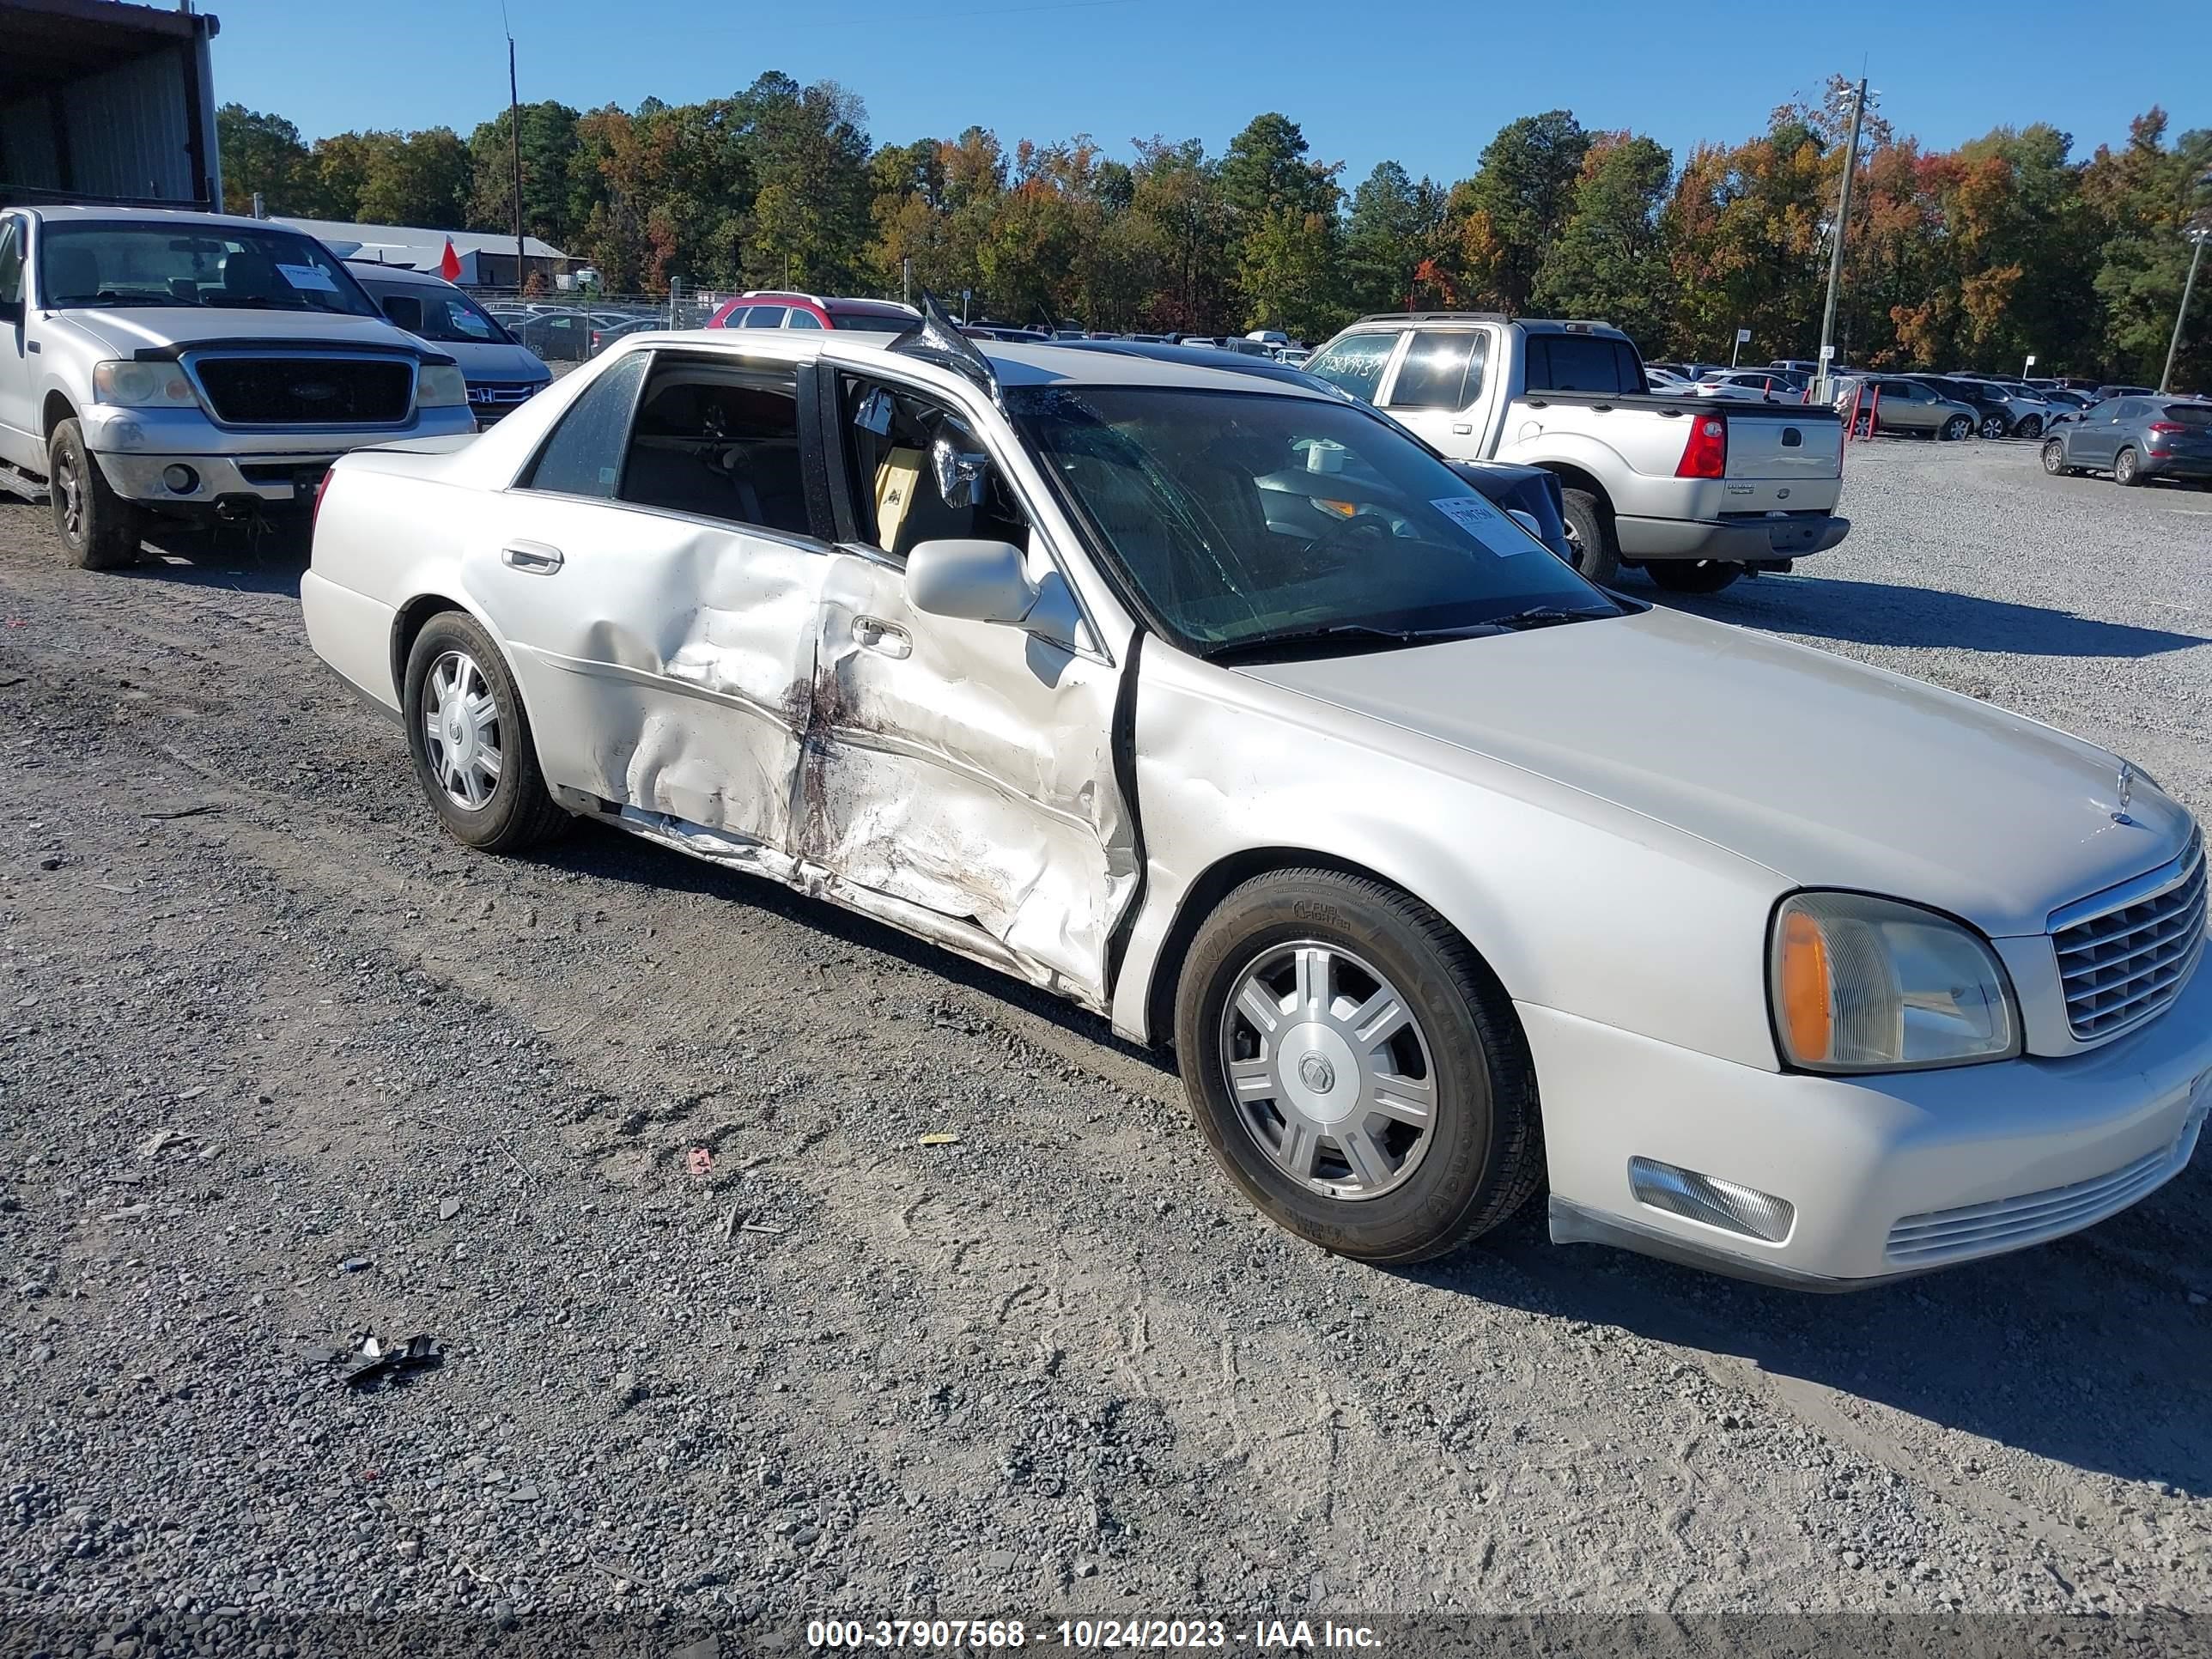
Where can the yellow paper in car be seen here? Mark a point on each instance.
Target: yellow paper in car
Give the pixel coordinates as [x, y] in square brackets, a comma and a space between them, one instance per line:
[897, 477]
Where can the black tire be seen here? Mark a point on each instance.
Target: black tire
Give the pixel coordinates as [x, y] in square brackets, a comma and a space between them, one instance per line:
[1486, 1158]
[2127, 472]
[2031, 426]
[1692, 575]
[2054, 459]
[1993, 425]
[518, 812]
[1589, 532]
[1955, 429]
[99, 530]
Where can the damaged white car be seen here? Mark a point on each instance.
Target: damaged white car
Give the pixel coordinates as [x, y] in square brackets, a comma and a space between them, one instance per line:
[1229, 711]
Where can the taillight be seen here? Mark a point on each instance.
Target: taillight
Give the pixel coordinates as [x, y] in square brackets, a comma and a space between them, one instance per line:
[1705, 456]
[322, 489]
[2165, 426]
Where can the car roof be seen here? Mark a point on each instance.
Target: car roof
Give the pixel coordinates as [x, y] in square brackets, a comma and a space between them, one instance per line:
[87, 212]
[1015, 362]
[365, 269]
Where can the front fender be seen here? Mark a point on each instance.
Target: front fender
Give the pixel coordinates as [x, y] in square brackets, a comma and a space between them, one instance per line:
[1577, 904]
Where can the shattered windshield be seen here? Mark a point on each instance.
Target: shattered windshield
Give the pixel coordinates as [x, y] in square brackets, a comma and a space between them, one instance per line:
[1244, 518]
[113, 266]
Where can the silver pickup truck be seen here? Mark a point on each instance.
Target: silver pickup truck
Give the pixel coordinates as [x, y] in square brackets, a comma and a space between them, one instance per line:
[192, 365]
[1695, 491]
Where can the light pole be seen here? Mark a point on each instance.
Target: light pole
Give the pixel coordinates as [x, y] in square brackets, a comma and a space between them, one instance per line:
[1842, 223]
[2199, 236]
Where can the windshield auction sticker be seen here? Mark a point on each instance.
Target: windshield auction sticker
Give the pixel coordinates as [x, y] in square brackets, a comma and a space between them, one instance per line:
[308, 277]
[1476, 516]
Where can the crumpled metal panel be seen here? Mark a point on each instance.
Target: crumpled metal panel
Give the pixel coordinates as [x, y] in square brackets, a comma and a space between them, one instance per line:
[966, 770]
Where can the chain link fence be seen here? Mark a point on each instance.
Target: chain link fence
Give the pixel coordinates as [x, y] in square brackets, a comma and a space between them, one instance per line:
[567, 327]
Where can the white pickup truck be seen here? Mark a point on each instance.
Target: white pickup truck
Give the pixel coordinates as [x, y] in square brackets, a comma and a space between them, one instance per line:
[1697, 492]
[159, 362]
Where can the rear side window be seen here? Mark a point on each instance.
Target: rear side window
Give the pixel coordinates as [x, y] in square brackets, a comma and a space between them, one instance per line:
[1355, 363]
[804, 318]
[1443, 369]
[584, 455]
[720, 440]
[1582, 363]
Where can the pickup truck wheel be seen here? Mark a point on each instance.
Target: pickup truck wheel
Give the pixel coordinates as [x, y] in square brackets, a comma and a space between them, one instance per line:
[99, 530]
[1956, 427]
[1589, 534]
[2125, 471]
[1692, 575]
[1356, 1068]
[470, 741]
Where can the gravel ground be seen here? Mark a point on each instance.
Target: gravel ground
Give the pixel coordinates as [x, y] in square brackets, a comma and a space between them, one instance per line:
[280, 1065]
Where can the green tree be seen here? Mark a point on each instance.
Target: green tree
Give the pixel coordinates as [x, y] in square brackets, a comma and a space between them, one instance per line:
[264, 154]
[1515, 206]
[549, 152]
[1393, 230]
[1607, 262]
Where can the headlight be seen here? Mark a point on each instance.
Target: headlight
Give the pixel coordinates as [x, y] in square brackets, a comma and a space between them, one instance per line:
[1864, 984]
[440, 385]
[141, 385]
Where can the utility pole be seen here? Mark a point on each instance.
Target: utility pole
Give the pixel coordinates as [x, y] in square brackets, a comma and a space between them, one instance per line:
[2188, 286]
[515, 134]
[906, 281]
[1842, 223]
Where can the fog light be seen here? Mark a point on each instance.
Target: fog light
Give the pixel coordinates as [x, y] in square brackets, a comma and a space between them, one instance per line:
[1715, 1202]
[181, 480]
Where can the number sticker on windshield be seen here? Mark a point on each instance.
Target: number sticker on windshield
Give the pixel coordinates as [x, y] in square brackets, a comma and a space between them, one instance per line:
[1474, 516]
[308, 277]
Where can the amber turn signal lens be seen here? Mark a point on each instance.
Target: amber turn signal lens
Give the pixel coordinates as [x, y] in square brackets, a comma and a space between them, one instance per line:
[1807, 998]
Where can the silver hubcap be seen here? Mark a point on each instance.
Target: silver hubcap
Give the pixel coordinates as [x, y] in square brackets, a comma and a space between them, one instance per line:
[460, 723]
[72, 494]
[1329, 1069]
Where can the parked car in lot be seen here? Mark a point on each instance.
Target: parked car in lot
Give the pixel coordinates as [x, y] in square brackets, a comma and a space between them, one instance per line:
[159, 363]
[1993, 411]
[1746, 385]
[2135, 439]
[2105, 392]
[1906, 406]
[554, 334]
[603, 338]
[765, 308]
[1694, 491]
[501, 372]
[1225, 710]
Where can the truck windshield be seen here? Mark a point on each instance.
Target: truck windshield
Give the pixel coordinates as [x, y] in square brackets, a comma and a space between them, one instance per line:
[119, 265]
[1243, 518]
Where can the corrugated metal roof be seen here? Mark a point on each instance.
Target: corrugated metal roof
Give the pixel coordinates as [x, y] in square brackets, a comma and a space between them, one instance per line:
[412, 245]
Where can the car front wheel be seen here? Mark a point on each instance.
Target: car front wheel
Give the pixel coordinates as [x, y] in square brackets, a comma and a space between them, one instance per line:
[469, 739]
[2054, 457]
[99, 530]
[1356, 1068]
[1993, 425]
[2029, 427]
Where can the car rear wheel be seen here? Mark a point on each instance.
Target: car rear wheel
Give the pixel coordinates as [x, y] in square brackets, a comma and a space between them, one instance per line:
[2126, 471]
[2054, 459]
[470, 741]
[99, 530]
[1955, 429]
[1993, 425]
[1692, 575]
[1589, 535]
[1356, 1068]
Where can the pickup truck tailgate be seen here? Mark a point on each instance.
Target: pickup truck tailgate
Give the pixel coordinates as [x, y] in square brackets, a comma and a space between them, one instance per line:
[1778, 457]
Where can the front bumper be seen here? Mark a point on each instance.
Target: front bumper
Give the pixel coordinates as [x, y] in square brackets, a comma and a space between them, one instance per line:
[1889, 1175]
[1729, 541]
[135, 446]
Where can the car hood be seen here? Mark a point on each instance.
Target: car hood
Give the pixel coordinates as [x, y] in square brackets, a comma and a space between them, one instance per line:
[1827, 772]
[125, 333]
[493, 359]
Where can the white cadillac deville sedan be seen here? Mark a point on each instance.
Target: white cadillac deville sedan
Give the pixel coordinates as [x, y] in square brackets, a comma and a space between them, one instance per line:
[1227, 710]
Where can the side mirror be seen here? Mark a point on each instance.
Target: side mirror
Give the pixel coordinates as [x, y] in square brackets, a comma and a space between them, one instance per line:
[1527, 521]
[976, 581]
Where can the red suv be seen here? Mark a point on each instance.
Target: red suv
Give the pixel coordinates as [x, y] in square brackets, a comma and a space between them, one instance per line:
[767, 308]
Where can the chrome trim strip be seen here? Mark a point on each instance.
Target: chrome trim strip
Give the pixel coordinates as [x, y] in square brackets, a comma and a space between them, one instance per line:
[2134, 890]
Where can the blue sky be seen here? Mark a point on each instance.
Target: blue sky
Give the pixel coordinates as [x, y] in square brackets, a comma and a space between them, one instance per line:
[1364, 83]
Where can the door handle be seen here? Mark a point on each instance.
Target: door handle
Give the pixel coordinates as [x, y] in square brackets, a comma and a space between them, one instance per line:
[1461, 428]
[533, 557]
[874, 634]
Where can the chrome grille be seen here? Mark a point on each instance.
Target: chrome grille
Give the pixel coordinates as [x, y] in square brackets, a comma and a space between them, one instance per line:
[490, 399]
[2125, 962]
